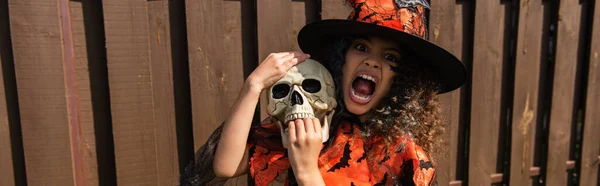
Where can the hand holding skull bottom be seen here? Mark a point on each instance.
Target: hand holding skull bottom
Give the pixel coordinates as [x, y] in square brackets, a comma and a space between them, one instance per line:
[306, 91]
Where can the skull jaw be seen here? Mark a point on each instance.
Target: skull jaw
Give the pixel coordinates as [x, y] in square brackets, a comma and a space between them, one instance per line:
[325, 122]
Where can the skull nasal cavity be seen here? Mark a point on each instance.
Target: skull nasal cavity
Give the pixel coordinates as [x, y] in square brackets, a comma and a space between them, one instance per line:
[297, 98]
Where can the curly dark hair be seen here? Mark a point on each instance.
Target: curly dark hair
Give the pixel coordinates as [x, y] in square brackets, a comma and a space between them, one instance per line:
[410, 108]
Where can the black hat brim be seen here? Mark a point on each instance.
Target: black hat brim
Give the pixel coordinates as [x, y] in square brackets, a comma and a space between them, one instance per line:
[451, 72]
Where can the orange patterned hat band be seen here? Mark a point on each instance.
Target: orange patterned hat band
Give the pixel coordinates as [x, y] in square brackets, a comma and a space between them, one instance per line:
[404, 15]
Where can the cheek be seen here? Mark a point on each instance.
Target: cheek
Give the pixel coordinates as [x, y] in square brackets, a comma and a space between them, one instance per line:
[387, 82]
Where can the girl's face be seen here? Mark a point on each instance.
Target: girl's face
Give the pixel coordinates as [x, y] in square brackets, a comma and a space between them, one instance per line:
[367, 74]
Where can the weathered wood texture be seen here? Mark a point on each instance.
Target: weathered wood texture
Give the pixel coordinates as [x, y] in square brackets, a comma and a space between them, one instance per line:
[38, 56]
[215, 54]
[275, 34]
[131, 92]
[525, 101]
[590, 156]
[85, 93]
[563, 92]
[7, 175]
[161, 62]
[446, 30]
[488, 58]
[335, 9]
[99, 85]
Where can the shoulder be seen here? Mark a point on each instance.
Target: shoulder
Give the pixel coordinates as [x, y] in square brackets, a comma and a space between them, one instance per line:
[416, 163]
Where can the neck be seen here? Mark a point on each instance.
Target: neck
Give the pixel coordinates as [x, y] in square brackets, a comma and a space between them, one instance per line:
[364, 117]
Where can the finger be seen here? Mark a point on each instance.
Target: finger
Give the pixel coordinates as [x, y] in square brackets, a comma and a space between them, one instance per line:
[309, 126]
[300, 56]
[300, 132]
[279, 54]
[292, 131]
[317, 126]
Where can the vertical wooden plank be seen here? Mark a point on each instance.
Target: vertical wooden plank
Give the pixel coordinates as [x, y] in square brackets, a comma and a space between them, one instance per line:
[446, 30]
[335, 9]
[85, 93]
[42, 88]
[216, 65]
[561, 113]
[590, 156]
[7, 175]
[162, 87]
[303, 12]
[488, 54]
[275, 33]
[527, 73]
[131, 91]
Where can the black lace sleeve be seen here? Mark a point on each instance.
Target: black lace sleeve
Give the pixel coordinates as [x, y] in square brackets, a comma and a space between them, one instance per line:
[200, 171]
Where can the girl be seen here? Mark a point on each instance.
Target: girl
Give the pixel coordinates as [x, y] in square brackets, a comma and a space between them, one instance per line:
[387, 121]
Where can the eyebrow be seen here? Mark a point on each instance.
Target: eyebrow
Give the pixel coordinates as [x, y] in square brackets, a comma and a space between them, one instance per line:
[394, 49]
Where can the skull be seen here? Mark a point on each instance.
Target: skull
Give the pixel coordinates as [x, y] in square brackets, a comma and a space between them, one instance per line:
[306, 91]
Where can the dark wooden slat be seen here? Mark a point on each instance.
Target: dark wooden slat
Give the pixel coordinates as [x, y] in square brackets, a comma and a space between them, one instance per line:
[162, 88]
[215, 54]
[446, 31]
[85, 93]
[488, 57]
[527, 73]
[131, 92]
[590, 156]
[561, 113]
[7, 176]
[335, 9]
[38, 56]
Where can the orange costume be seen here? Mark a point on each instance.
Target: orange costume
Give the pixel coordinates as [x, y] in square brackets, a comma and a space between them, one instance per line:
[351, 159]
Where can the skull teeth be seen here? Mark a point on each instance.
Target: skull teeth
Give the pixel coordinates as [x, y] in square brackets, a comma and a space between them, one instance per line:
[298, 116]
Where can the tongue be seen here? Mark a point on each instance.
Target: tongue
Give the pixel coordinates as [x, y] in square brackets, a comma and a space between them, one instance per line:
[363, 87]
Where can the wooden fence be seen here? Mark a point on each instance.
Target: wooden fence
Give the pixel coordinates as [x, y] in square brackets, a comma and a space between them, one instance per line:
[121, 92]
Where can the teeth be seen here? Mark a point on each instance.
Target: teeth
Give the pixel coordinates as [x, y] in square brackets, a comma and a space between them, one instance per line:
[370, 78]
[298, 116]
[360, 97]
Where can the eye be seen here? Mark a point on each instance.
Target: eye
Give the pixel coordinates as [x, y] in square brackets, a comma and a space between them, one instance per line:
[391, 58]
[280, 91]
[361, 47]
[311, 85]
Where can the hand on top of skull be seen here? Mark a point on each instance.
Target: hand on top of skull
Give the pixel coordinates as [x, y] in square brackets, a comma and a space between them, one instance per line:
[305, 91]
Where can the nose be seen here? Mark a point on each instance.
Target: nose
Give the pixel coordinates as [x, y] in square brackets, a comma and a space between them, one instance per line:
[372, 63]
[296, 98]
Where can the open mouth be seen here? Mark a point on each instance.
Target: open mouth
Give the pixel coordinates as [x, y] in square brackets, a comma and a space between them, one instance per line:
[363, 87]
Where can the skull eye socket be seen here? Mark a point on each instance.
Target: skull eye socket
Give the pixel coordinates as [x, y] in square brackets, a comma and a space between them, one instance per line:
[280, 91]
[311, 85]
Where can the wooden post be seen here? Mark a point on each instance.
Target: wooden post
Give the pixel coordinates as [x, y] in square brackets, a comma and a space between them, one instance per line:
[561, 114]
[215, 63]
[132, 95]
[7, 175]
[48, 96]
[161, 63]
[446, 30]
[527, 73]
[590, 156]
[488, 58]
